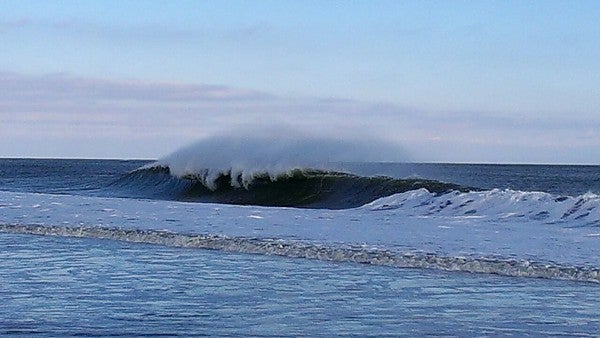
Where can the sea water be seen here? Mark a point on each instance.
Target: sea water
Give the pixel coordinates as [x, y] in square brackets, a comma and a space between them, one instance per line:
[67, 286]
[70, 265]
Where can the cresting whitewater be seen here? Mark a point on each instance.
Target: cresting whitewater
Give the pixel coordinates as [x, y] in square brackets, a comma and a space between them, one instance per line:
[288, 199]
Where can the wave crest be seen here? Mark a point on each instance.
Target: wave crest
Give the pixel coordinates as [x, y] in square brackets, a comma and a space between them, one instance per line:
[307, 188]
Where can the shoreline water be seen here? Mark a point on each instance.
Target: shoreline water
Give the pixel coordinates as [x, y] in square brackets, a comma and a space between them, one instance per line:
[79, 286]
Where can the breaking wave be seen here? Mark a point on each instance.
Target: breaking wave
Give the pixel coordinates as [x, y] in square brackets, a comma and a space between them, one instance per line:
[496, 204]
[253, 167]
[305, 188]
[325, 252]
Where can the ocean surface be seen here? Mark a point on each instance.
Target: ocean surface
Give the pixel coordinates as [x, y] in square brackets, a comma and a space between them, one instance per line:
[127, 247]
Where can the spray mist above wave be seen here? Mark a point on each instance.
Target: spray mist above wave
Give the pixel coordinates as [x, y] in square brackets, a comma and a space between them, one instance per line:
[244, 156]
[269, 168]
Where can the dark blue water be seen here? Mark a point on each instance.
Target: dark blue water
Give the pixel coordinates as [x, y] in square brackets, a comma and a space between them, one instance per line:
[94, 177]
[570, 180]
[65, 176]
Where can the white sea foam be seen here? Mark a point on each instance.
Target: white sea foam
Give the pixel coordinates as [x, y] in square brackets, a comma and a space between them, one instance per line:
[497, 204]
[331, 252]
[409, 223]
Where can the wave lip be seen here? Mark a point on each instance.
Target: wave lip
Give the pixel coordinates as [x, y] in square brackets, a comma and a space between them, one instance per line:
[297, 249]
[303, 188]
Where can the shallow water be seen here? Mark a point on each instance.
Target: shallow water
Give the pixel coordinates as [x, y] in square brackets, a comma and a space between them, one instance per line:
[71, 286]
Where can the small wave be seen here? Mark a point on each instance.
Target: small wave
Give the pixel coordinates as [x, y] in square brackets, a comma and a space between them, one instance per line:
[496, 204]
[297, 249]
[304, 188]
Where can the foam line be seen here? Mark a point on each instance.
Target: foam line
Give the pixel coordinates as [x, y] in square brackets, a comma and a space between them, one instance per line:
[297, 249]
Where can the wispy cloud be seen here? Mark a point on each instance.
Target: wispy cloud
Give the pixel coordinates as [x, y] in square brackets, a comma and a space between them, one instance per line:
[60, 86]
[251, 31]
[139, 31]
[149, 119]
[88, 109]
[15, 23]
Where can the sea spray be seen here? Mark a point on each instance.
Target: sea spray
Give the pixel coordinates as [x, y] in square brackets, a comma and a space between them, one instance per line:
[245, 154]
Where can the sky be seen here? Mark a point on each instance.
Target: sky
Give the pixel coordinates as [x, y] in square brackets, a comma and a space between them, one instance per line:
[446, 81]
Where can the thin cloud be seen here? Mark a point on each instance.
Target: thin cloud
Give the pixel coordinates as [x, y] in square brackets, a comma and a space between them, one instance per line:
[137, 32]
[15, 23]
[14, 86]
[252, 31]
[159, 117]
[78, 26]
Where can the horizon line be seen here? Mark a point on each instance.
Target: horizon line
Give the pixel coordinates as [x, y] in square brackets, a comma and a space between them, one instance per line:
[381, 162]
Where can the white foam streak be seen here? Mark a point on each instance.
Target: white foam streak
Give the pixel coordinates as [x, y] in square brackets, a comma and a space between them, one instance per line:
[297, 249]
[439, 231]
[497, 204]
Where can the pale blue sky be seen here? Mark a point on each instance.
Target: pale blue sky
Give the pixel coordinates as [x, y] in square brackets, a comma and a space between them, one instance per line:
[464, 81]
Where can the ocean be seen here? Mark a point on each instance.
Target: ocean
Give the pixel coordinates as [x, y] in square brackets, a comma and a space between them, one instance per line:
[139, 248]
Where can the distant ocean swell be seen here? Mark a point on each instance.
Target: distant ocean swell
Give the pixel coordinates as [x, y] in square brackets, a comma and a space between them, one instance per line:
[304, 188]
[324, 252]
